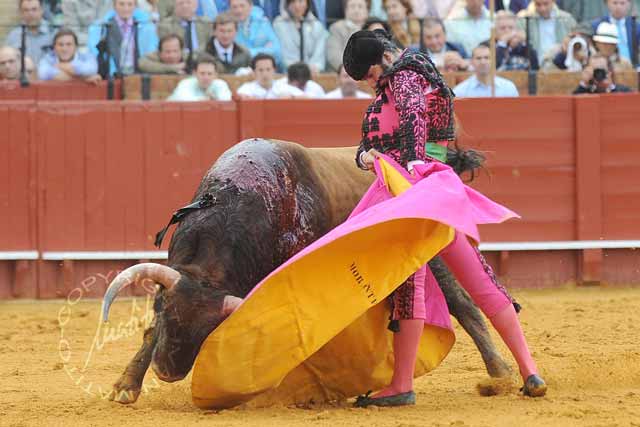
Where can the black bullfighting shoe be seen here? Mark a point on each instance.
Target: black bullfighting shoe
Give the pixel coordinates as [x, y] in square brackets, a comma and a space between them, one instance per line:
[534, 386]
[402, 399]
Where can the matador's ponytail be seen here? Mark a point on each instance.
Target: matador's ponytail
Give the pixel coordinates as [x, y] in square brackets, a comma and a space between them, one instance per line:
[462, 160]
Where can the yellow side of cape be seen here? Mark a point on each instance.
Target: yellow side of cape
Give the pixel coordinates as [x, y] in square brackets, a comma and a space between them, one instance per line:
[316, 329]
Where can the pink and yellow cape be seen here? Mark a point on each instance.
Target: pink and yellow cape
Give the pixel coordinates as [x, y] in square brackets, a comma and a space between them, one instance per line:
[315, 328]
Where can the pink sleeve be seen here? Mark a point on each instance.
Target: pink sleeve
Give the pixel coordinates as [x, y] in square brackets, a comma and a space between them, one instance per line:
[409, 90]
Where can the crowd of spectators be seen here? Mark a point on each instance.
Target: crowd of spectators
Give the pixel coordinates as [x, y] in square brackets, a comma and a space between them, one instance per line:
[92, 40]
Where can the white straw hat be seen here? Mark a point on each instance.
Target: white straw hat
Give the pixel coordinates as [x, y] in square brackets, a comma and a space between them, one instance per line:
[606, 33]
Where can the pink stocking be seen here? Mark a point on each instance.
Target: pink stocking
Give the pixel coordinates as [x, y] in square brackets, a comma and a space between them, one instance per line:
[405, 351]
[507, 324]
[477, 278]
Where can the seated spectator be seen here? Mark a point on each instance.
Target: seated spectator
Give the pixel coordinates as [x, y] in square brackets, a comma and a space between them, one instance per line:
[264, 87]
[335, 10]
[319, 8]
[254, 30]
[436, 44]
[264, 68]
[572, 54]
[619, 14]
[598, 77]
[511, 45]
[194, 30]
[299, 19]
[204, 8]
[39, 33]
[513, 6]
[405, 28]
[606, 44]
[118, 50]
[299, 77]
[9, 63]
[548, 25]
[584, 11]
[79, 15]
[420, 9]
[171, 58]
[231, 56]
[479, 84]
[471, 26]
[347, 87]
[65, 63]
[203, 85]
[356, 14]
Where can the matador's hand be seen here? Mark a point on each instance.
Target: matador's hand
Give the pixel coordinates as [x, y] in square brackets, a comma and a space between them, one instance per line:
[368, 158]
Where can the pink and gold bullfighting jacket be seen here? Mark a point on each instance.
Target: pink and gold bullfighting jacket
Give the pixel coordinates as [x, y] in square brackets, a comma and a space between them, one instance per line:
[411, 117]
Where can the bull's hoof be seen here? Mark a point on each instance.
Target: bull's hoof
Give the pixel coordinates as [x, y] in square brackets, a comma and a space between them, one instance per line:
[534, 386]
[124, 392]
[498, 368]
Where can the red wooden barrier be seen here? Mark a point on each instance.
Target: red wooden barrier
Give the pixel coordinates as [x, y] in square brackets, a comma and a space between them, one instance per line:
[58, 91]
[18, 195]
[105, 176]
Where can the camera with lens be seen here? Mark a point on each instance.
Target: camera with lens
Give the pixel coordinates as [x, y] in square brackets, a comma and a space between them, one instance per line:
[599, 74]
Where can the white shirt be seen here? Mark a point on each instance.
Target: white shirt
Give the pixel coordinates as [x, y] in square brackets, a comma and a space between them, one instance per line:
[189, 90]
[223, 51]
[337, 94]
[438, 58]
[473, 88]
[311, 88]
[254, 90]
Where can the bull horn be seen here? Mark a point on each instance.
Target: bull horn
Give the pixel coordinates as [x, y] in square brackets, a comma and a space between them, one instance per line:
[230, 304]
[165, 276]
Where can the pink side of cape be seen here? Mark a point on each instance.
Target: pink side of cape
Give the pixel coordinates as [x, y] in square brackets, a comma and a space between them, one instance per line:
[444, 197]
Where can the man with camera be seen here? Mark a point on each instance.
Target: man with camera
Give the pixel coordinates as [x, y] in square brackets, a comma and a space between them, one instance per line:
[598, 77]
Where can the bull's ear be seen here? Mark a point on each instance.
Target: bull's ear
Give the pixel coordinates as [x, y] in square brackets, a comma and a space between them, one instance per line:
[230, 304]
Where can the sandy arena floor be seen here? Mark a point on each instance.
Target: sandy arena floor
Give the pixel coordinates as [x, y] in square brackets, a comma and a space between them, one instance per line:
[586, 341]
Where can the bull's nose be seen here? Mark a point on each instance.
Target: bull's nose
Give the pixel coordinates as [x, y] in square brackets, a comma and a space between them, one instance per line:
[163, 376]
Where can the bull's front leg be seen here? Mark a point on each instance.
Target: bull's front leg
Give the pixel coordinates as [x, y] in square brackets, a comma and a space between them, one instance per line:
[127, 388]
[469, 317]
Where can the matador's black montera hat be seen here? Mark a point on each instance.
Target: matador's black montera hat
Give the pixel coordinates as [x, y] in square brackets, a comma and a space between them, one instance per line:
[363, 50]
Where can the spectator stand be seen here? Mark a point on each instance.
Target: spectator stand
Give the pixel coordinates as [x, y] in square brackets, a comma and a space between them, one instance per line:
[144, 87]
[159, 87]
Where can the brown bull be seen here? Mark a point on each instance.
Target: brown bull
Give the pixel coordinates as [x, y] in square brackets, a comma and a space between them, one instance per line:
[259, 204]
